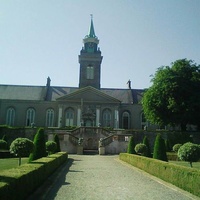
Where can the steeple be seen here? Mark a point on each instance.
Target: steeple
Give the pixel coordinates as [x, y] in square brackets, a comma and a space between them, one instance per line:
[90, 60]
[91, 30]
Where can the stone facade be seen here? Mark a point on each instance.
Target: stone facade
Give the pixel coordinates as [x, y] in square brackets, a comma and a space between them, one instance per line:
[87, 105]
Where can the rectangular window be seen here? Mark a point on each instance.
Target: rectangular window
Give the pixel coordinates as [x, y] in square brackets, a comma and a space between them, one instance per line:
[90, 72]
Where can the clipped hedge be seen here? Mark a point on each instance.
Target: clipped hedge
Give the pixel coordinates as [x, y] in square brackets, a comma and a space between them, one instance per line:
[18, 183]
[185, 178]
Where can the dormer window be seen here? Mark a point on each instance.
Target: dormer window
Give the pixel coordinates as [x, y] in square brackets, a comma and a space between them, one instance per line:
[90, 72]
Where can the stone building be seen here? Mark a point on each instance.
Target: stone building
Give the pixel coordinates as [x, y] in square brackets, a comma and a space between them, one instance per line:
[86, 105]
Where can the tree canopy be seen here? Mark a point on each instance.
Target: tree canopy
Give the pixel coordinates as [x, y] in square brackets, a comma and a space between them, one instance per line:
[174, 97]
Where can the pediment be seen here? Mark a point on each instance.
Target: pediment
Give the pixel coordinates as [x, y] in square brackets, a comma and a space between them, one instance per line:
[88, 94]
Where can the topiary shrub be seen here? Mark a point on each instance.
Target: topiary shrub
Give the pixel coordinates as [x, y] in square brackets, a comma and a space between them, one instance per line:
[40, 148]
[21, 147]
[3, 145]
[176, 147]
[167, 145]
[131, 146]
[57, 141]
[189, 152]
[51, 147]
[146, 142]
[141, 149]
[159, 151]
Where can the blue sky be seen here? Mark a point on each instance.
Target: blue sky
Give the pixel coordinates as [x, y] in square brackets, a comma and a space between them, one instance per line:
[41, 38]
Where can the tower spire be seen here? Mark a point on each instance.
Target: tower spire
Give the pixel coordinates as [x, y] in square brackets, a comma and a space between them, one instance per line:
[91, 33]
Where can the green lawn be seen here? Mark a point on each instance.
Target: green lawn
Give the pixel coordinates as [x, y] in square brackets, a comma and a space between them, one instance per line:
[186, 164]
[8, 163]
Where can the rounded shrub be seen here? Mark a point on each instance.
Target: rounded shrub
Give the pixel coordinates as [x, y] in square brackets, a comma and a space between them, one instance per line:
[176, 147]
[21, 147]
[51, 147]
[3, 145]
[189, 152]
[141, 149]
[159, 151]
[131, 146]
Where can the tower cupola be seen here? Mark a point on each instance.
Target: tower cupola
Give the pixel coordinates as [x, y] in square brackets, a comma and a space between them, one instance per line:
[90, 60]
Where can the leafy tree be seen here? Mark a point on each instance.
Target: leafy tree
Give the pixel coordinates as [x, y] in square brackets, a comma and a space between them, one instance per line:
[159, 151]
[131, 146]
[174, 97]
[146, 142]
[40, 148]
[51, 147]
[57, 141]
[21, 147]
[189, 152]
[176, 147]
[3, 145]
[167, 145]
[141, 149]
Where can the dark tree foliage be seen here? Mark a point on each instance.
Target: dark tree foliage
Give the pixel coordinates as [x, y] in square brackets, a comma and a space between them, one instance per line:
[57, 141]
[131, 146]
[146, 142]
[40, 148]
[3, 145]
[174, 97]
[159, 151]
[167, 145]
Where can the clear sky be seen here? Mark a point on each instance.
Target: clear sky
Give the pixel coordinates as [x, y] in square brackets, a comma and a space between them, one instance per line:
[41, 38]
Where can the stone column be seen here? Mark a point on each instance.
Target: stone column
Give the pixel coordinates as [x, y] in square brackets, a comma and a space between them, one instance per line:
[60, 117]
[116, 118]
[97, 116]
[79, 116]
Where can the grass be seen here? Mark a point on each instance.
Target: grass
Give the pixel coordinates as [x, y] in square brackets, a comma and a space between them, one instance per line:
[195, 165]
[8, 163]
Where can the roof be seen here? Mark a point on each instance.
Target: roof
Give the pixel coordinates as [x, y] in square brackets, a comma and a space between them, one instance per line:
[52, 93]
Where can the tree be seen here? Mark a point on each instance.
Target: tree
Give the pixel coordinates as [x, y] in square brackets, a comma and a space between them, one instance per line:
[174, 97]
[159, 151]
[141, 149]
[189, 152]
[40, 148]
[21, 147]
[51, 147]
[131, 146]
[146, 142]
[57, 141]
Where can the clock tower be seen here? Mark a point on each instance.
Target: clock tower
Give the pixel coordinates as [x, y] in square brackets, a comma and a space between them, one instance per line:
[90, 60]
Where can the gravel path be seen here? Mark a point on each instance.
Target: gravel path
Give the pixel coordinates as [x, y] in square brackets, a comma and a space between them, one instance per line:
[94, 177]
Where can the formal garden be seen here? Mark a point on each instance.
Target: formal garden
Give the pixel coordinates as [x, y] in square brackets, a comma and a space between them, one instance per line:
[28, 165]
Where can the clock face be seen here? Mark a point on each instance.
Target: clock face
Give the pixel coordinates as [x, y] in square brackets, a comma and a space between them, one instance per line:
[90, 45]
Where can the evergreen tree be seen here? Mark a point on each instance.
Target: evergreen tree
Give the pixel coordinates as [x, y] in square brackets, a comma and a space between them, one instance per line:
[159, 149]
[40, 147]
[131, 146]
[57, 141]
[146, 142]
[167, 145]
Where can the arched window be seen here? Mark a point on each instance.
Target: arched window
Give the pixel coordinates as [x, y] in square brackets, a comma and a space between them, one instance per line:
[50, 118]
[107, 118]
[69, 117]
[10, 117]
[126, 120]
[30, 117]
[90, 72]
